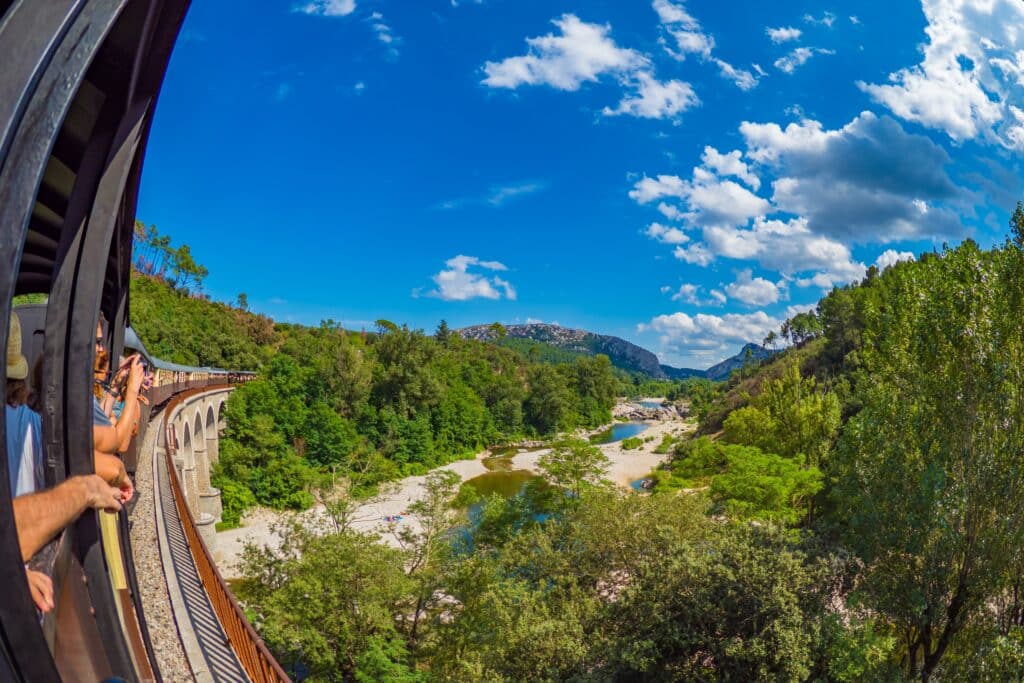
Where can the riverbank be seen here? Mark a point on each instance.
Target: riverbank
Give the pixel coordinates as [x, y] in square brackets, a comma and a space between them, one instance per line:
[625, 467]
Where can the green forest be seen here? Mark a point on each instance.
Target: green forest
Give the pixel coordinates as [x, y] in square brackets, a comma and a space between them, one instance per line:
[847, 511]
[334, 404]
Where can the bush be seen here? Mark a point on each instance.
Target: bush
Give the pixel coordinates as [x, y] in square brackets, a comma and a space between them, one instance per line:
[667, 441]
[235, 498]
[632, 443]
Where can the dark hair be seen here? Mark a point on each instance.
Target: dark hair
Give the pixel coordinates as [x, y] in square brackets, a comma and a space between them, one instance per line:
[17, 392]
[102, 322]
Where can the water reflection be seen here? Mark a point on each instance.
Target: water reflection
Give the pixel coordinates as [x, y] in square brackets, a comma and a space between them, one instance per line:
[618, 432]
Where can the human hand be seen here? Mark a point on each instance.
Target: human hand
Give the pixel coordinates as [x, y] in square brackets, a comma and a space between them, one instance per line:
[41, 587]
[100, 495]
[136, 373]
[126, 489]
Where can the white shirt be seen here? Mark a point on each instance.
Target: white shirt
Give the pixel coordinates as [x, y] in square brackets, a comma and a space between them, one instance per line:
[24, 450]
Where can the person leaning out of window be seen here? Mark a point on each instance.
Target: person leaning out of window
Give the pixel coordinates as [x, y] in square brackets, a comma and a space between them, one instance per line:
[112, 437]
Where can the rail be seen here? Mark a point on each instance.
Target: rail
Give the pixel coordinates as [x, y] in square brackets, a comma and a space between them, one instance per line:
[257, 660]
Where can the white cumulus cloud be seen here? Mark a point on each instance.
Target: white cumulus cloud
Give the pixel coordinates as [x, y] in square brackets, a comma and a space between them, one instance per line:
[755, 291]
[684, 334]
[584, 53]
[654, 99]
[783, 34]
[695, 254]
[691, 294]
[866, 181]
[458, 283]
[666, 235]
[969, 80]
[670, 211]
[581, 53]
[743, 79]
[730, 164]
[685, 36]
[826, 19]
[798, 57]
[709, 199]
[891, 257]
[327, 8]
[674, 13]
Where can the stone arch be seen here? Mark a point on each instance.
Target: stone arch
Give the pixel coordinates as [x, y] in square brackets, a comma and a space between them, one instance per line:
[188, 473]
[212, 435]
[185, 443]
[221, 417]
[202, 456]
[198, 435]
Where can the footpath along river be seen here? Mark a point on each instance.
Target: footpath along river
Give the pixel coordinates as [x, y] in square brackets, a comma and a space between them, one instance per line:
[505, 474]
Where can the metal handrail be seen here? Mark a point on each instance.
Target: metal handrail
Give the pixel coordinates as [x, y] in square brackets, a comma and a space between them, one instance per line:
[250, 649]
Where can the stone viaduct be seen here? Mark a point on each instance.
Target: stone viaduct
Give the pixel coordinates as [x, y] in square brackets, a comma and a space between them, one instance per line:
[196, 425]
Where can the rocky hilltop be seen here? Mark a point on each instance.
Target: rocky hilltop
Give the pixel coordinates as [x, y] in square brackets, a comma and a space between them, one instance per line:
[749, 352]
[623, 354]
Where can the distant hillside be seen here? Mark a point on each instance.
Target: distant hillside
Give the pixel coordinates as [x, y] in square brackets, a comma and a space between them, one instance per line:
[540, 352]
[750, 352]
[623, 354]
[682, 373]
[553, 343]
[178, 327]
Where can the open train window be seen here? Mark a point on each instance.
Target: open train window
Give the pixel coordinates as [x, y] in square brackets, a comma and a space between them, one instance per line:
[77, 92]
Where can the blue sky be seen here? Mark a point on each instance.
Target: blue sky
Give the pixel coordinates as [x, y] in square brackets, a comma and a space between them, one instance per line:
[683, 175]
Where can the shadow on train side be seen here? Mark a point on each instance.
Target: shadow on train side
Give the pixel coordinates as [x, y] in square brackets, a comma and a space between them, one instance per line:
[78, 88]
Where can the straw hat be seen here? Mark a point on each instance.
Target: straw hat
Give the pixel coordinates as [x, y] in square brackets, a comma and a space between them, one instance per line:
[17, 366]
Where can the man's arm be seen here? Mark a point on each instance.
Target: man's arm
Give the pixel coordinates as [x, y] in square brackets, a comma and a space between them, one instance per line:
[111, 469]
[39, 517]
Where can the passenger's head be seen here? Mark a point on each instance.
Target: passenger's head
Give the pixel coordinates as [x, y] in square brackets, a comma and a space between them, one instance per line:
[17, 365]
[102, 358]
[101, 361]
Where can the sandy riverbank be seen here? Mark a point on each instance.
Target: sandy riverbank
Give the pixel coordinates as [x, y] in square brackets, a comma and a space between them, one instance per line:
[625, 467]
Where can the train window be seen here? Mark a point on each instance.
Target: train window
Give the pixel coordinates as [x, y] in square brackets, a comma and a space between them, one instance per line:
[78, 84]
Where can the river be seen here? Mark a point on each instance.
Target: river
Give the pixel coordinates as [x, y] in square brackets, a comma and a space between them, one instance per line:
[507, 481]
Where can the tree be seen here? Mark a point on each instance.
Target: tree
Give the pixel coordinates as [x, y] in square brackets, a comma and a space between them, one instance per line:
[746, 482]
[925, 469]
[328, 603]
[403, 378]
[730, 603]
[243, 301]
[770, 340]
[549, 402]
[757, 485]
[801, 328]
[443, 334]
[596, 388]
[1017, 225]
[790, 417]
[185, 271]
[498, 331]
[427, 542]
[574, 465]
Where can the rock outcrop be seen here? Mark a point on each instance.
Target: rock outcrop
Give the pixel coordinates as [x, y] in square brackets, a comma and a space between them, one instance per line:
[623, 354]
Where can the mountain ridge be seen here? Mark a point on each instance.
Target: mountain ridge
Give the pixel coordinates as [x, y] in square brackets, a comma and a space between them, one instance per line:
[623, 354]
